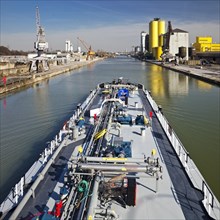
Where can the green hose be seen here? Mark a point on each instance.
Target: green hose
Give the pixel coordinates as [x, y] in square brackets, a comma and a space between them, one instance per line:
[83, 186]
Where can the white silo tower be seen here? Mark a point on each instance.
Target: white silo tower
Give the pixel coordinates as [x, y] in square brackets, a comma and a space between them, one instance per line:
[79, 50]
[71, 47]
[143, 41]
[67, 48]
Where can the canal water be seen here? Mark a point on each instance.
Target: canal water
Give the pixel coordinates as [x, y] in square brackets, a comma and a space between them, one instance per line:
[33, 116]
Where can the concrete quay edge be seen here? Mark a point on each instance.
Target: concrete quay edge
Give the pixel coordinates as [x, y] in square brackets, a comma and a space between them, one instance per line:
[38, 77]
[213, 78]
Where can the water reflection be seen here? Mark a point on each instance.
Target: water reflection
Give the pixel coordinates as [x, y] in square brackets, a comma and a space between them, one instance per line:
[178, 84]
[165, 83]
[203, 85]
[158, 80]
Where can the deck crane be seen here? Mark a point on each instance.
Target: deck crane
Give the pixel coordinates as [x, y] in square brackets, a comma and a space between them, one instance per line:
[90, 53]
[40, 45]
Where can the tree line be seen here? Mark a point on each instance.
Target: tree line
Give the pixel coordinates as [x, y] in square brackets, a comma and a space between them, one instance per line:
[4, 51]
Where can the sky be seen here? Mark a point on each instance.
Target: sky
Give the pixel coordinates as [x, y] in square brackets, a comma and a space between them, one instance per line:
[109, 25]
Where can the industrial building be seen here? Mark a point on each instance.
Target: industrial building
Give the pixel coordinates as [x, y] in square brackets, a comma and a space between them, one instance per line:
[177, 43]
[159, 43]
[204, 44]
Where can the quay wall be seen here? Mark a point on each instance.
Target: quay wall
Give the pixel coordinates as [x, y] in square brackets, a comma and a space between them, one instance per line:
[14, 71]
[22, 82]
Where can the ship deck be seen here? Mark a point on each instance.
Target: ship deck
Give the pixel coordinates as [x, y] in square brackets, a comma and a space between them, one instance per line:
[175, 197]
[151, 203]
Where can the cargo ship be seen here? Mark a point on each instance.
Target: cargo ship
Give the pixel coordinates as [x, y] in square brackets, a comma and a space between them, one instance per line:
[117, 157]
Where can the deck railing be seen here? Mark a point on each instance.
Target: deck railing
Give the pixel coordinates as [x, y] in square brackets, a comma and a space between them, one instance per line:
[17, 192]
[210, 202]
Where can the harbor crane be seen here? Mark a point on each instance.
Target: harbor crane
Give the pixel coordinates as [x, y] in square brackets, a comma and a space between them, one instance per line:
[169, 32]
[166, 54]
[90, 53]
[41, 46]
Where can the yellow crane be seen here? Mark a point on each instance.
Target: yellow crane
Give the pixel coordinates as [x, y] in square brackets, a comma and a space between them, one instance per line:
[90, 52]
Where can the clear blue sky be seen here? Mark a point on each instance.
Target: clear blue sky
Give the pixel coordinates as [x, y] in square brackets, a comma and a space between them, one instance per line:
[105, 24]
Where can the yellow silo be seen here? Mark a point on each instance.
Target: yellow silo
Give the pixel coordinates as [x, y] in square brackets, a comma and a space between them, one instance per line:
[160, 42]
[153, 34]
[161, 27]
[159, 52]
[156, 31]
[154, 51]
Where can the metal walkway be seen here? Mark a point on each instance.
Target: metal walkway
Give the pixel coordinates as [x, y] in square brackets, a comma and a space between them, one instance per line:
[187, 196]
[45, 189]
